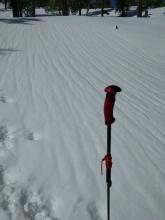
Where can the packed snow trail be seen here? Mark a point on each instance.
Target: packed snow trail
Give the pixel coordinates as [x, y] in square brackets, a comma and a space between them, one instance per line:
[52, 132]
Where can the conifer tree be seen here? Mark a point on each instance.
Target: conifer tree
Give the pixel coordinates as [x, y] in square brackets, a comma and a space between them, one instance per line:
[23, 7]
[33, 7]
[122, 7]
[139, 8]
[65, 7]
[76, 6]
[102, 7]
[5, 4]
[15, 7]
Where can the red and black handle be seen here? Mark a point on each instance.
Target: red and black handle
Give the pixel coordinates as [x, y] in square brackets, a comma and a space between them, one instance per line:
[109, 119]
[109, 103]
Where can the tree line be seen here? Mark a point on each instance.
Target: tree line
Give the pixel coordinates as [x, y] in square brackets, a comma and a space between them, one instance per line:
[65, 7]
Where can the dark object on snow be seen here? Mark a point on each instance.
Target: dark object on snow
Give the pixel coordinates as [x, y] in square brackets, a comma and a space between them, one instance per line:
[117, 27]
[109, 119]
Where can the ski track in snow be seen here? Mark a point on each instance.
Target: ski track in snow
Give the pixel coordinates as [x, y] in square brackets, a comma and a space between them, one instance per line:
[52, 133]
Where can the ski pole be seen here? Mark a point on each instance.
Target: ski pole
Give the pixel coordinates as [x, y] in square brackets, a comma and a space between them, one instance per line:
[109, 119]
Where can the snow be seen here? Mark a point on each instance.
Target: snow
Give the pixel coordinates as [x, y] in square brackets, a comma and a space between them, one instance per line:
[52, 133]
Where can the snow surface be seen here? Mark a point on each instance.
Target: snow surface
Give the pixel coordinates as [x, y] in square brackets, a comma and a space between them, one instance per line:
[53, 71]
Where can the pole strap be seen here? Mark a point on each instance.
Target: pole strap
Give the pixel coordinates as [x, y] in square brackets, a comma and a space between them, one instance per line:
[108, 162]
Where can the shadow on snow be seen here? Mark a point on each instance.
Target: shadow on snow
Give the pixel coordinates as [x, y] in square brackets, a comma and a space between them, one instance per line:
[23, 20]
[130, 13]
[5, 51]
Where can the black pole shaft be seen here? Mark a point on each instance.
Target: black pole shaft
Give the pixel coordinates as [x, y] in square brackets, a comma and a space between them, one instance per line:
[109, 139]
[108, 173]
[108, 202]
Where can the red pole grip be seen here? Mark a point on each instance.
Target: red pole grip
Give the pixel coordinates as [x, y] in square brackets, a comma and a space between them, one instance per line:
[109, 103]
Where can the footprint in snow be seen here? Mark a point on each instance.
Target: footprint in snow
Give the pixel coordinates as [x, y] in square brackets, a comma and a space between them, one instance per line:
[5, 99]
[3, 134]
[18, 201]
[2, 99]
[93, 212]
[6, 137]
[35, 206]
[32, 136]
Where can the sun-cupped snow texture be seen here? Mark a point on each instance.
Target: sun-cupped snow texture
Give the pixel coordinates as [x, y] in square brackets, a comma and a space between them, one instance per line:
[53, 71]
